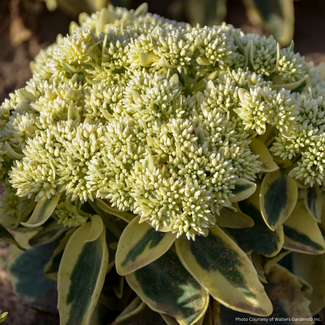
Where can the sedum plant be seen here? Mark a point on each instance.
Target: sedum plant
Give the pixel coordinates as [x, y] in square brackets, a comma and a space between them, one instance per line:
[167, 174]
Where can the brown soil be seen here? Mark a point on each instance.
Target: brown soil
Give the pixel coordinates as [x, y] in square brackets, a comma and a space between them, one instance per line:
[26, 27]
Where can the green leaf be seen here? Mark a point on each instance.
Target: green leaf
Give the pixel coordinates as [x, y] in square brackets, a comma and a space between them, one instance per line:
[278, 197]
[166, 287]
[141, 315]
[230, 219]
[7, 237]
[225, 271]
[42, 212]
[269, 262]
[302, 233]
[258, 148]
[47, 234]
[276, 15]
[139, 245]
[312, 269]
[243, 190]
[259, 237]
[26, 272]
[288, 302]
[52, 267]
[96, 229]
[81, 276]
[314, 201]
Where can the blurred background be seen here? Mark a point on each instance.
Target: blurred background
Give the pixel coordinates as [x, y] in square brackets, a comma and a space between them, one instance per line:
[26, 26]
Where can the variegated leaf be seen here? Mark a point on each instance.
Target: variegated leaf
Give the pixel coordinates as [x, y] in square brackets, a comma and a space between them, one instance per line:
[225, 271]
[47, 234]
[81, 276]
[258, 148]
[259, 237]
[138, 313]
[243, 190]
[7, 237]
[302, 233]
[314, 201]
[278, 197]
[139, 245]
[231, 219]
[96, 229]
[311, 268]
[42, 212]
[269, 262]
[289, 303]
[52, 267]
[166, 287]
[26, 272]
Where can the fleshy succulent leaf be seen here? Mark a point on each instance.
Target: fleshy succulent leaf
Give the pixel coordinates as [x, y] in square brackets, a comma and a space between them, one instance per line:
[225, 271]
[167, 287]
[314, 201]
[7, 237]
[139, 245]
[267, 163]
[42, 212]
[259, 238]
[81, 276]
[96, 229]
[243, 190]
[301, 232]
[311, 268]
[278, 197]
[228, 218]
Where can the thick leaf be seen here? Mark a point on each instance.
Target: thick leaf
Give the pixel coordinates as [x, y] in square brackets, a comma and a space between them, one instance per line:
[276, 15]
[258, 262]
[7, 237]
[269, 262]
[47, 234]
[42, 212]
[138, 313]
[243, 190]
[314, 201]
[231, 219]
[81, 276]
[259, 237]
[225, 271]
[26, 272]
[139, 245]
[289, 303]
[302, 233]
[52, 267]
[126, 216]
[96, 229]
[278, 197]
[166, 287]
[312, 269]
[258, 148]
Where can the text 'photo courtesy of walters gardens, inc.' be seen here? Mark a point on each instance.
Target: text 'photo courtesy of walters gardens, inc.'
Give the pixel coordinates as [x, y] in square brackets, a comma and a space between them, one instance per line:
[278, 320]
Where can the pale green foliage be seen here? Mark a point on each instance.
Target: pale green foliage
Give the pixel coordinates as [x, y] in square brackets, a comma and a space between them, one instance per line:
[156, 117]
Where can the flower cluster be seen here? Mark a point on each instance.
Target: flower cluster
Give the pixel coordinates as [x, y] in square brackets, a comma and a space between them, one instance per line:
[156, 117]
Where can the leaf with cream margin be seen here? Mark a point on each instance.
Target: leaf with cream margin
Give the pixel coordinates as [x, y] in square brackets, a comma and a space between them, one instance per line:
[260, 237]
[81, 276]
[42, 212]
[96, 229]
[47, 233]
[7, 237]
[167, 287]
[220, 266]
[258, 148]
[234, 219]
[301, 232]
[243, 190]
[139, 245]
[278, 197]
[269, 262]
[311, 268]
[314, 201]
[284, 290]
[138, 313]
